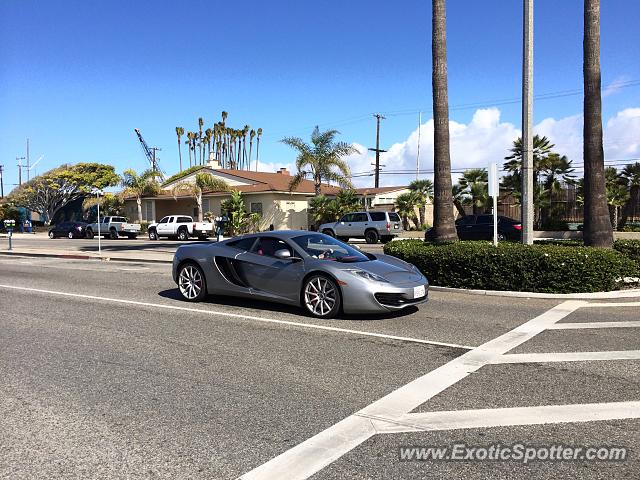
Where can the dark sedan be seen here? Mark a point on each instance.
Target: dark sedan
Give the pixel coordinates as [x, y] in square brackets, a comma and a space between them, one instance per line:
[69, 230]
[480, 227]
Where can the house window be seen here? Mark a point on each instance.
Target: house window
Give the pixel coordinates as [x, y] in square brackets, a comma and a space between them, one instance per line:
[206, 205]
[148, 210]
[256, 207]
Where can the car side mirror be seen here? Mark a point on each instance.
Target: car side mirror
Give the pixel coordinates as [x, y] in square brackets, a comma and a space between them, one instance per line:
[283, 254]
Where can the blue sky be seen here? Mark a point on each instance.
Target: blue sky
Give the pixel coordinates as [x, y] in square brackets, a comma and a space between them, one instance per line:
[77, 77]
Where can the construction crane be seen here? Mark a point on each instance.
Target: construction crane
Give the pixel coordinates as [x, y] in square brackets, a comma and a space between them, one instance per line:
[149, 152]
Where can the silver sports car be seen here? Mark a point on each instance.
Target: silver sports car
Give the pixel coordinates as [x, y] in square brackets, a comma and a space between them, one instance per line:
[312, 270]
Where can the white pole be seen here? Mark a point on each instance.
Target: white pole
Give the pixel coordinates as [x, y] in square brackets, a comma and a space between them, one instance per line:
[495, 220]
[494, 191]
[418, 155]
[527, 125]
[99, 236]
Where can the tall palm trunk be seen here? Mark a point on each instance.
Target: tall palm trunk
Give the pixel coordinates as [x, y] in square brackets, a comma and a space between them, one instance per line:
[597, 224]
[257, 151]
[180, 153]
[199, 204]
[250, 149]
[443, 223]
[139, 202]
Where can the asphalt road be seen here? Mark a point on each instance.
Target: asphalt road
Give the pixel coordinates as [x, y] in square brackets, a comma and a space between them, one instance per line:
[105, 373]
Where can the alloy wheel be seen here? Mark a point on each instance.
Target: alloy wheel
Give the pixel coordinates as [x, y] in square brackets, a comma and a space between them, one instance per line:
[190, 282]
[320, 296]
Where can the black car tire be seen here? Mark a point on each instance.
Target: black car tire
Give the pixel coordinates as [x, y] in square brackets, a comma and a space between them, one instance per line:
[502, 237]
[192, 283]
[113, 235]
[70, 235]
[183, 234]
[371, 236]
[329, 232]
[51, 234]
[89, 233]
[153, 235]
[327, 292]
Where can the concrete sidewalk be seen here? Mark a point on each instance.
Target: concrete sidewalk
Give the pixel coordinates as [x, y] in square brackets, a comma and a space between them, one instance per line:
[123, 256]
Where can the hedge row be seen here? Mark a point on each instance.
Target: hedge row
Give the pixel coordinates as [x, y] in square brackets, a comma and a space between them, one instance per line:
[629, 248]
[513, 266]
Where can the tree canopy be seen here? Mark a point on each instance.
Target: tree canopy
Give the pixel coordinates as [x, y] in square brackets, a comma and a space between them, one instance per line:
[46, 194]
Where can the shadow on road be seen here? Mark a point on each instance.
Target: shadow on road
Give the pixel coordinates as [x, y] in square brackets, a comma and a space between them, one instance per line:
[113, 246]
[174, 294]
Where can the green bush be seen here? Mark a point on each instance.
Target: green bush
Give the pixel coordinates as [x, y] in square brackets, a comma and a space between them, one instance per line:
[629, 248]
[513, 266]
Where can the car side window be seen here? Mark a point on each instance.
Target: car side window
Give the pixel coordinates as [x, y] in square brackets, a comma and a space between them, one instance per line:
[377, 216]
[347, 218]
[164, 220]
[184, 220]
[243, 244]
[268, 246]
[394, 217]
[360, 217]
[468, 220]
[485, 219]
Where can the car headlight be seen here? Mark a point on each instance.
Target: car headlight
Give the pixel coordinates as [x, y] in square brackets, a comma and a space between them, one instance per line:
[367, 275]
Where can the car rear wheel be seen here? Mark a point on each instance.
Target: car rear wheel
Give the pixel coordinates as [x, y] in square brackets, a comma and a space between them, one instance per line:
[321, 296]
[326, 231]
[153, 235]
[113, 235]
[52, 235]
[183, 235]
[70, 235]
[191, 282]
[371, 236]
[502, 237]
[89, 234]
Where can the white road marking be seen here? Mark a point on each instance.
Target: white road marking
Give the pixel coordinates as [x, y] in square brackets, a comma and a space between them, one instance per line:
[501, 417]
[578, 325]
[567, 356]
[244, 317]
[314, 454]
[612, 304]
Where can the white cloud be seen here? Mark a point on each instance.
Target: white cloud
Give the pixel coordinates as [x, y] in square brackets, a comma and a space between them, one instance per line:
[485, 139]
[616, 85]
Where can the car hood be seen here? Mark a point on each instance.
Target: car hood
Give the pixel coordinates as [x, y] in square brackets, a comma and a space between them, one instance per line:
[392, 269]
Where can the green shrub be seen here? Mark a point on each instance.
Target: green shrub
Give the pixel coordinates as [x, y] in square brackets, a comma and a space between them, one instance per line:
[182, 174]
[513, 266]
[629, 248]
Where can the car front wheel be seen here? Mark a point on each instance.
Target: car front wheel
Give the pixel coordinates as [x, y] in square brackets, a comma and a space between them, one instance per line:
[191, 283]
[371, 236]
[89, 234]
[321, 296]
[153, 235]
[52, 235]
[183, 235]
[70, 235]
[328, 232]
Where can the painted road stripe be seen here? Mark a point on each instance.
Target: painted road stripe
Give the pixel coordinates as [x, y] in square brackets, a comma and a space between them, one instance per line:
[502, 417]
[244, 317]
[612, 304]
[312, 455]
[567, 326]
[567, 356]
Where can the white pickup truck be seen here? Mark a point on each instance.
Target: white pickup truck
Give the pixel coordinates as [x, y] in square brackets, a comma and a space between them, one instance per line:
[179, 226]
[113, 227]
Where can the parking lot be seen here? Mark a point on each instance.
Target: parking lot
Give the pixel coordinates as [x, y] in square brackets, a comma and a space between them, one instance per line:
[107, 374]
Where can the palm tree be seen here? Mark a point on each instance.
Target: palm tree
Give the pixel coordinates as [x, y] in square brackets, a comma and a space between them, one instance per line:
[134, 185]
[200, 125]
[475, 185]
[406, 207]
[631, 176]
[424, 189]
[208, 134]
[597, 225]
[319, 208]
[179, 133]
[245, 132]
[459, 195]
[203, 181]
[541, 149]
[259, 132]
[252, 135]
[443, 224]
[617, 193]
[322, 160]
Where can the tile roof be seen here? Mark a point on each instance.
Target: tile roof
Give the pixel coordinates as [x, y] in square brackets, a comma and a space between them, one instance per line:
[374, 191]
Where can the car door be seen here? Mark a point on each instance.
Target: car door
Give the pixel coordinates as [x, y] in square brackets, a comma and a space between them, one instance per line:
[484, 227]
[343, 225]
[61, 229]
[164, 227]
[359, 224]
[271, 276]
[465, 227]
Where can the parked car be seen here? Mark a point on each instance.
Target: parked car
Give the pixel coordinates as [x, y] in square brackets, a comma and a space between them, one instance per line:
[68, 229]
[315, 271]
[179, 226]
[114, 227]
[372, 226]
[480, 227]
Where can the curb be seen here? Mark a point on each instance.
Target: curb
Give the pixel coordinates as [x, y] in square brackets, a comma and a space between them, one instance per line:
[83, 257]
[635, 293]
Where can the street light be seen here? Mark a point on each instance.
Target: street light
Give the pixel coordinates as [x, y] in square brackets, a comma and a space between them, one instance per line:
[97, 193]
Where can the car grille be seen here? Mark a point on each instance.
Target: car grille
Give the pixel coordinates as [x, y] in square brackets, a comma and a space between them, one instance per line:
[396, 299]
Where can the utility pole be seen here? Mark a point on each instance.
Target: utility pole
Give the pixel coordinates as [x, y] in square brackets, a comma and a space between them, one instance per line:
[377, 149]
[527, 124]
[418, 154]
[28, 163]
[1, 181]
[20, 166]
[154, 162]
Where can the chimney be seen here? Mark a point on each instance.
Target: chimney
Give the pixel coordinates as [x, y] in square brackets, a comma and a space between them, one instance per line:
[284, 171]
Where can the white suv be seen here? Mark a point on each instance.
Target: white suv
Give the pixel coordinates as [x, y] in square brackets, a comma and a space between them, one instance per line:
[372, 226]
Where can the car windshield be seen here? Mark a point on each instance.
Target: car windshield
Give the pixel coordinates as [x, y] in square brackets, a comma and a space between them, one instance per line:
[324, 247]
